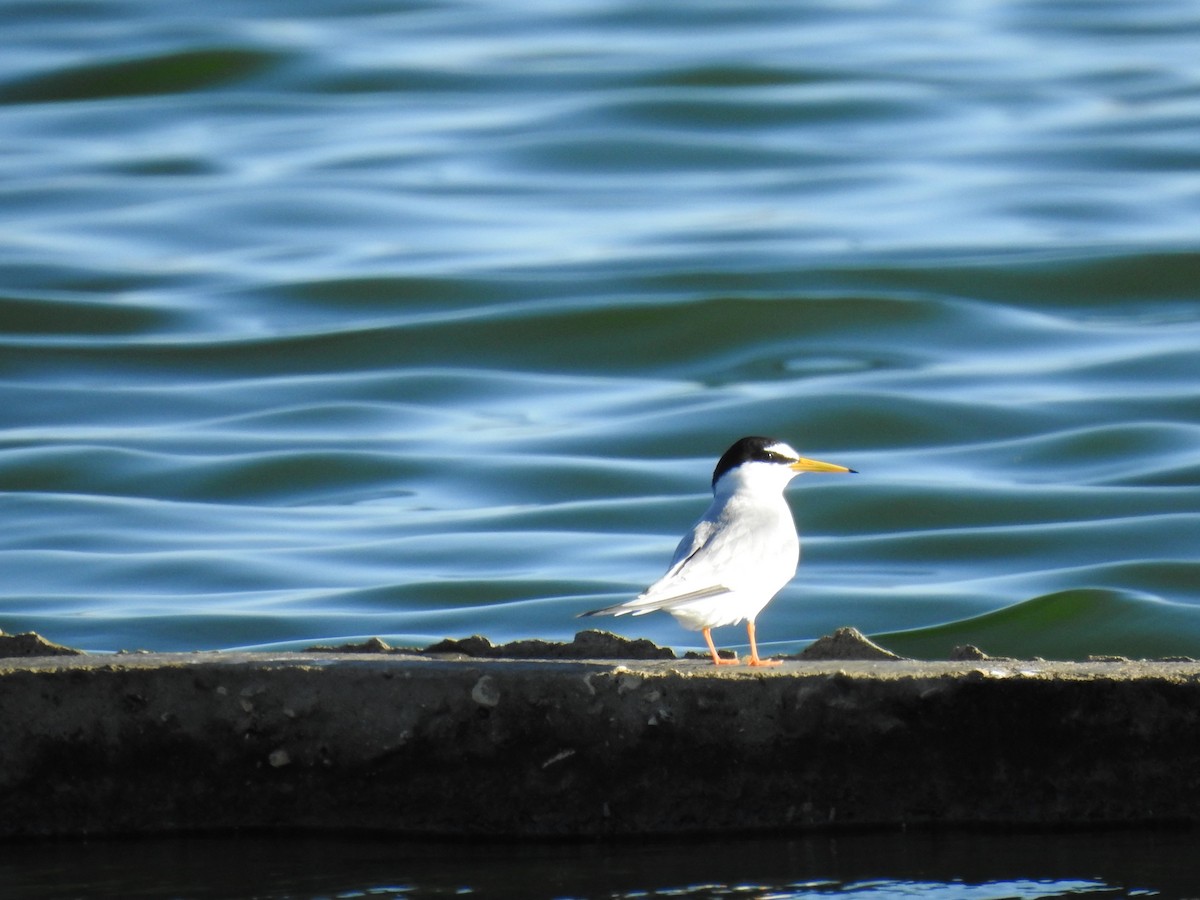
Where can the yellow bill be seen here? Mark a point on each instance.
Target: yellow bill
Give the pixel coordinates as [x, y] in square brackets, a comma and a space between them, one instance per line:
[815, 465]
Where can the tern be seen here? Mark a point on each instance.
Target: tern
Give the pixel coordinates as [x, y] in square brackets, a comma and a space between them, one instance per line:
[741, 552]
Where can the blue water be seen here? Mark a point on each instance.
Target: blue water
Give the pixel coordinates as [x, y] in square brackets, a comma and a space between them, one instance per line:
[1091, 866]
[320, 321]
[424, 319]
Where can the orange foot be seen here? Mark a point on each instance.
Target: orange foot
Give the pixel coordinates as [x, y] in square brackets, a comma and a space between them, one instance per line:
[755, 661]
[713, 650]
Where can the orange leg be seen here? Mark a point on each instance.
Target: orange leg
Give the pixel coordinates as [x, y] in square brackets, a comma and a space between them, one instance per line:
[713, 650]
[754, 660]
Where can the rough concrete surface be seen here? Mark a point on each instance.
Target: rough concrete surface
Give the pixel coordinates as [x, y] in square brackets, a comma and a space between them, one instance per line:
[420, 745]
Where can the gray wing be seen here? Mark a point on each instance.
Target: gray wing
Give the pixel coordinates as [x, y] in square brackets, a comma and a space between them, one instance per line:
[684, 580]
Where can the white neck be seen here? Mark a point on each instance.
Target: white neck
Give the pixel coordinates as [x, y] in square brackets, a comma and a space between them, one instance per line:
[762, 478]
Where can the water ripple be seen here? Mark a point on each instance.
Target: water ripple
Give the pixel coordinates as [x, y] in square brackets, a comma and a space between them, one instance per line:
[397, 320]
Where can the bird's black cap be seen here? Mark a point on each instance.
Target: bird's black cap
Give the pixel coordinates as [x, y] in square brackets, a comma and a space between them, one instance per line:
[748, 449]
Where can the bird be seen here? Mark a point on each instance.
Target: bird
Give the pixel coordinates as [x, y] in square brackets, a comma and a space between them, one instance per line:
[740, 553]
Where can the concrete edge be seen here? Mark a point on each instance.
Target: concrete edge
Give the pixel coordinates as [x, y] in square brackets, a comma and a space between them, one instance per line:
[455, 746]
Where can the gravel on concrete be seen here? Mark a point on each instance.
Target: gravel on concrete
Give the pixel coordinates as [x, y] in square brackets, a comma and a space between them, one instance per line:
[437, 744]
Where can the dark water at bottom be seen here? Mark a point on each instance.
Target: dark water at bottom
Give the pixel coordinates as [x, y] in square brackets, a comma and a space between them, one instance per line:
[954, 866]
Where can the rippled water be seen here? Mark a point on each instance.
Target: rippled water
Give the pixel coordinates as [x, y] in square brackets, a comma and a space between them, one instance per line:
[425, 319]
[863, 867]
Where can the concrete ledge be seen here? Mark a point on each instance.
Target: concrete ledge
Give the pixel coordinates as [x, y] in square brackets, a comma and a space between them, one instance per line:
[422, 746]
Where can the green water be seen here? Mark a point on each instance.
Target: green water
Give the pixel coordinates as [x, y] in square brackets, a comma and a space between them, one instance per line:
[422, 320]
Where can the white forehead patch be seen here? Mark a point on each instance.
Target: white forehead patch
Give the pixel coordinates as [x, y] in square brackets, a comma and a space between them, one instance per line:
[783, 450]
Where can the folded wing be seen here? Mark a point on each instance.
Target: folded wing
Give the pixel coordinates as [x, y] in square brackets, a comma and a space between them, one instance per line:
[692, 576]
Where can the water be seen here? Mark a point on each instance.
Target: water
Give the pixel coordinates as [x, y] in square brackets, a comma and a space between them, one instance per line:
[421, 320]
[863, 867]
[321, 321]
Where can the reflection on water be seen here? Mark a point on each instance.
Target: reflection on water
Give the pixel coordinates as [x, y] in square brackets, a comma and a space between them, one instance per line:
[424, 320]
[875, 866]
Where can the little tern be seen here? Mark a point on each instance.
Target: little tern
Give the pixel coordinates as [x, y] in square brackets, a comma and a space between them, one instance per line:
[740, 553]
